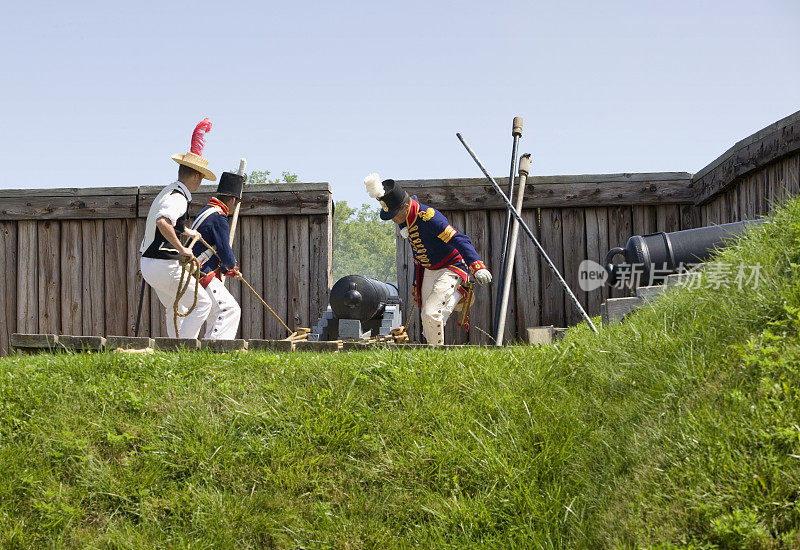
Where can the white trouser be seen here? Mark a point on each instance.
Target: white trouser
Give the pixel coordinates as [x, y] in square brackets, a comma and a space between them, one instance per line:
[223, 320]
[439, 297]
[163, 276]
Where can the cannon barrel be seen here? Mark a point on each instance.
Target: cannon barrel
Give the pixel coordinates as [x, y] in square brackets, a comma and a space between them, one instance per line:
[361, 298]
[667, 252]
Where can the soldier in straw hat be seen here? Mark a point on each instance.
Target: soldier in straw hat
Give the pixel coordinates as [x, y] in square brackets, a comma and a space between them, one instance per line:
[162, 248]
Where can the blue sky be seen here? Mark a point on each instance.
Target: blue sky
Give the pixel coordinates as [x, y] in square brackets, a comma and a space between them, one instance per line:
[98, 94]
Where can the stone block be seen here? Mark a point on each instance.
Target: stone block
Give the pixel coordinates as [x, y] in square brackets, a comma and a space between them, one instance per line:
[305, 345]
[269, 345]
[617, 308]
[358, 346]
[224, 346]
[128, 342]
[176, 344]
[34, 342]
[650, 292]
[683, 278]
[82, 343]
[538, 336]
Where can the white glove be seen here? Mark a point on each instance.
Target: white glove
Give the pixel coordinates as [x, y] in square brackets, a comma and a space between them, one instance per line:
[483, 276]
[404, 232]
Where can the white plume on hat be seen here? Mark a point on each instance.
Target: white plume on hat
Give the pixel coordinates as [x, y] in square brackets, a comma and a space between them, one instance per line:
[374, 186]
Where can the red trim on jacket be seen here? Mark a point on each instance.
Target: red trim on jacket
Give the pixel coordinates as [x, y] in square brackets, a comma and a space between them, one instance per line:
[219, 204]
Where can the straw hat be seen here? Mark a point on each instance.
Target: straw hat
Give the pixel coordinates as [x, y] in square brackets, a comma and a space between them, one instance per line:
[194, 158]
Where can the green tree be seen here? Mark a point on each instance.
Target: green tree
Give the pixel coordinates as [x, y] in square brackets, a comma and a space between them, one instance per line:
[262, 176]
[363, 244]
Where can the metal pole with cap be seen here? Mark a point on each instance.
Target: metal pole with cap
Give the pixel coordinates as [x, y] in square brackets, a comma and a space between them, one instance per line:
[508, 268]
[529, 233]
[516, 133]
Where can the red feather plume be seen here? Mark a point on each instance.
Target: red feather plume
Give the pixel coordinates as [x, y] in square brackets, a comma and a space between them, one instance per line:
[198, 137]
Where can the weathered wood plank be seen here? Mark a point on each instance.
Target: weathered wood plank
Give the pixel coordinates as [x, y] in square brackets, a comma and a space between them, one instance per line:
[71, 277]
[574, 246]
[762, 192]
[27, 205]
[49, 235]
[791, 174]
[620, 229]
[115, 246]
[403, 277]
[261, 199]
[93, 276]
[760, 149]
[644, 219]
[723, 207]
[320, 240]
[275, 272]
[237, 288]
[557, 191]
[481, 314]
[134, 231]
[252, 261]
[157, 313]
[596, 250]
[27, 277]
[743, 197]
[297, 239]
[553, 311]
[496, 223]
[8, 284]
[668, 218]
[733, 203]
[690, 216]
[752, 198]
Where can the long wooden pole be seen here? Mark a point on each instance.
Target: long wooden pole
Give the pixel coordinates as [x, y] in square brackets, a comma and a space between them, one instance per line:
[524, 170]
[516, 133]
[529, 233]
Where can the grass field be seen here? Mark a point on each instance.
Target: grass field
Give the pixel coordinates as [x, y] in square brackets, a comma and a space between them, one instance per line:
[678, 428]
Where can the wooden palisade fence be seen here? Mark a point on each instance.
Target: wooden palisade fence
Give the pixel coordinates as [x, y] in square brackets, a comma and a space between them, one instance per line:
[580, 217]
[70, 259]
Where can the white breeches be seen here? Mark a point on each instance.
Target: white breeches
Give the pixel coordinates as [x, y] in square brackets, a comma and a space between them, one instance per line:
[163, 276]
[439, 297]
[223, 320]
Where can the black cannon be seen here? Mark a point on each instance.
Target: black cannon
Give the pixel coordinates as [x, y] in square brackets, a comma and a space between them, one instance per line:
[658, 254]
[359, 307]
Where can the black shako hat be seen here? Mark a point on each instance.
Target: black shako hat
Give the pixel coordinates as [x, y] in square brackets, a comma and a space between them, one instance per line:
[392, 200]
[231, 184]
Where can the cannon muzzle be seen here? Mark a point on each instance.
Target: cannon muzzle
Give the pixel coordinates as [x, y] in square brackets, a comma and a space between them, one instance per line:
[361, 298]
[658, 254]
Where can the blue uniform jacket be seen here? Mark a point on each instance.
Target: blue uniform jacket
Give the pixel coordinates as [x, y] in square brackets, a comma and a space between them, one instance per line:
[437, 245]
[212, 223]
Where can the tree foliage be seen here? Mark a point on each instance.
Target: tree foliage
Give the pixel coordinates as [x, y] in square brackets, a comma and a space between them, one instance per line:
[262, 176]
[363, 244]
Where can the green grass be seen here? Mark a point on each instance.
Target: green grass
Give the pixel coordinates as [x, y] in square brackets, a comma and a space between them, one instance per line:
[678, 428]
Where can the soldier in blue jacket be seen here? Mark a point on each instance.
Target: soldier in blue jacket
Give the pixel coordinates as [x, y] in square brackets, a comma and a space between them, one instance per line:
[212, 223]
[444, 258]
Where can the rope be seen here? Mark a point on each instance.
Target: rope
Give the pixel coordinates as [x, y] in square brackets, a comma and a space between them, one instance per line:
[241, 278]
[266, 305]
[189, 268]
